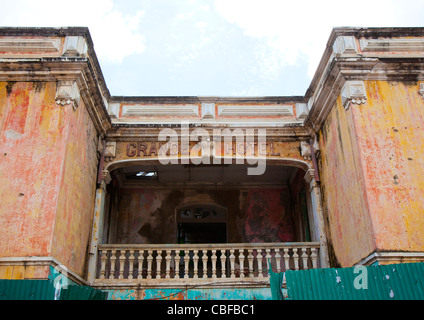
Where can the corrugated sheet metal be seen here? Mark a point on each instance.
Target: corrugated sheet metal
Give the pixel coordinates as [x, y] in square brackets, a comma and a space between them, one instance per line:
[26, 290]
[387, 282]
[45, 290]
[82, 293]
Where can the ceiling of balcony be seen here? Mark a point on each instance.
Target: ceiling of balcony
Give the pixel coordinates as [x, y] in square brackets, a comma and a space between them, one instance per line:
[205, 174]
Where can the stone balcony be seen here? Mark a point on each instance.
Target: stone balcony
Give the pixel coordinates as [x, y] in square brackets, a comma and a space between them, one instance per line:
[179, 265]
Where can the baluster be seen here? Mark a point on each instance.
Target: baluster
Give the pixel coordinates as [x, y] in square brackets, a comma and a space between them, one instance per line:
[250, 260]
[158, 263]
[186, 260]
[103, 263]
[277, 260]
[205, 263]
[168, 264]
[112, 264]
[149, 264]
[131, 264]
[268, 261]
[140, 264]
[177, 259]
[232, 261]
[304, 259]
[241, 260]
[314, 257]
[121, 258]
[286, 257]
[223, 263]
[259, 258]
[195, 264]
[296, 259]
[213, 260]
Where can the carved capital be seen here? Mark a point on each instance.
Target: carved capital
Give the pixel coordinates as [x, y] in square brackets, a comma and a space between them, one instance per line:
[310, 176]
[353, 92]
[421, 89]
[67, 93]
[106, 177]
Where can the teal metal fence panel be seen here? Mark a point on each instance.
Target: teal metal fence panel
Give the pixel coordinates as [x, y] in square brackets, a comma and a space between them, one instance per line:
[82, 293]
[387, 282]
[45, 290]
[26, 290]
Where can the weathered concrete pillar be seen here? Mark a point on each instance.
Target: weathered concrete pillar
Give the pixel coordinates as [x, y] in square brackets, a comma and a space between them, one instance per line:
[316, 209]
[98, 222]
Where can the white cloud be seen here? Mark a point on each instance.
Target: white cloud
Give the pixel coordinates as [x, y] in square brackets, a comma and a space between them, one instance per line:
[114, 34]
[293, 29]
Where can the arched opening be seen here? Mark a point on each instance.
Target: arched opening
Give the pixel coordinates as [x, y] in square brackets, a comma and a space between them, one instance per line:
[145, 204]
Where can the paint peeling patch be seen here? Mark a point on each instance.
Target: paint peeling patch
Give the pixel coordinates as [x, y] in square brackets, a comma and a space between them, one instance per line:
[12, 134]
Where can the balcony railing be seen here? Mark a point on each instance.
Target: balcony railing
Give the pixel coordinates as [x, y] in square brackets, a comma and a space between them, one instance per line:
[185, 263]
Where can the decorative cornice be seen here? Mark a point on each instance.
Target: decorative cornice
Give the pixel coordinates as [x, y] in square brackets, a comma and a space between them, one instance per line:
[44, 262]
[392, 257]
[358, 54]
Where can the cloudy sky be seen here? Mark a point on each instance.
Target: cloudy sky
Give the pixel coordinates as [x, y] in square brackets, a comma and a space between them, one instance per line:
[210, 47]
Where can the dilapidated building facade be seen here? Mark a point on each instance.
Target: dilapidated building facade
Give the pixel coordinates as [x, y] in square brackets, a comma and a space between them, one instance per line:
[197, 197]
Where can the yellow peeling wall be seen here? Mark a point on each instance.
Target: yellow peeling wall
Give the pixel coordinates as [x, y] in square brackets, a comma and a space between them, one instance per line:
[47, 174]
[348, 224]
[390, 130]
[371, 171]
[75, 205]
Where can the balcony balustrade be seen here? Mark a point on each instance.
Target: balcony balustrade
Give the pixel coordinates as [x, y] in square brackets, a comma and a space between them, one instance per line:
[196, 263]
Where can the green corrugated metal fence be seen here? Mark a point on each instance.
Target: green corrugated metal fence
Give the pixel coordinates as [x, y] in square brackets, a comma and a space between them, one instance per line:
[45, 290]
[82, 293]
[387, 282]
[26, 290]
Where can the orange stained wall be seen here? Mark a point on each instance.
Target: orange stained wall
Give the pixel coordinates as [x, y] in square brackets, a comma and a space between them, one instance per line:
[348, 224]
[46, 169]
[390, 135]
[371, 172]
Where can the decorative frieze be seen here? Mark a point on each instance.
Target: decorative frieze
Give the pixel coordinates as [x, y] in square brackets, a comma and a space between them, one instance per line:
[67, 93]
[18, 45]
[278, 110]
[161, 110]
[353, 92]
[392, 45]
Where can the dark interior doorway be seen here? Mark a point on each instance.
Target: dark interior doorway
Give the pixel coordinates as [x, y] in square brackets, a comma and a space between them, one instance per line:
[202, 224]
[202, 232]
